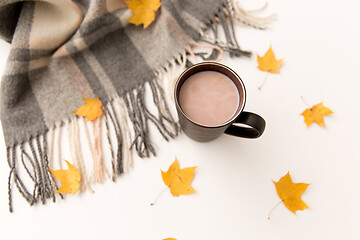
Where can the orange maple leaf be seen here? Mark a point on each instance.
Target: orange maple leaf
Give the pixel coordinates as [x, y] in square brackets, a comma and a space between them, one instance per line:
[268, 63]
[179, 180]
[316, 114]
[290, 193]
[92, 109]
[143, 10]
[70, 179]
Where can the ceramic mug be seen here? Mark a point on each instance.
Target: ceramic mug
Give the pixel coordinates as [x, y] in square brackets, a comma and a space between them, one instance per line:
[254, 124]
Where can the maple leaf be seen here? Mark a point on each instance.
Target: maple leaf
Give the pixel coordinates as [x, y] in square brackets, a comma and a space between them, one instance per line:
[169, 239]
[290, 193]
[92, 109]
[316, 114]
[179, 180]
[268, 63]
[143, 10]
[70, 179]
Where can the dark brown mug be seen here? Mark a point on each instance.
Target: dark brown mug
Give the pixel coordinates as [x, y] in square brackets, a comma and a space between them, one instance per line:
[255, 124]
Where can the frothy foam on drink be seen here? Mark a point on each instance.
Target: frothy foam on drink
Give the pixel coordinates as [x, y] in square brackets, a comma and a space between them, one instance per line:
[209, 98]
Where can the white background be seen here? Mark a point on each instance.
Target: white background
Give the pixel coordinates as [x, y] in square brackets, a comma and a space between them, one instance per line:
[319, 41]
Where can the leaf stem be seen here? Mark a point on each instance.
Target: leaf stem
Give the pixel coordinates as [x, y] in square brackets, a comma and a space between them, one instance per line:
[157, 197]
[266, 76]
[305, 102]
[274, 208]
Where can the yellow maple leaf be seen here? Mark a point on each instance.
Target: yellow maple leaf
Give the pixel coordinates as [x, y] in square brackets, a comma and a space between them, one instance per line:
[290, 193]
[143, 10]
[316, 114]
[169, 239]
[92, 109]
[70, 179]
[268, 63]
[179, 180]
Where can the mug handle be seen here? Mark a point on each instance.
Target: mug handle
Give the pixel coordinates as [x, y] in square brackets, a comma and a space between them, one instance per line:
[255, 122]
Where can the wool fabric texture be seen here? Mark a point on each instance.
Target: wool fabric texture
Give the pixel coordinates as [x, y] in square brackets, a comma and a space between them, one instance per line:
[63, 51]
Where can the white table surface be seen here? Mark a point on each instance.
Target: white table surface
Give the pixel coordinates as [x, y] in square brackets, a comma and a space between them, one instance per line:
[320, 44]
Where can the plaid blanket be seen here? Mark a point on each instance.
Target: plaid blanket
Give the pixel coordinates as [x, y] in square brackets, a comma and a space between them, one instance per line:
[63, 51]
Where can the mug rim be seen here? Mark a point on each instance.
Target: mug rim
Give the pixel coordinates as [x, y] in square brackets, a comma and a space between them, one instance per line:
[239, 109]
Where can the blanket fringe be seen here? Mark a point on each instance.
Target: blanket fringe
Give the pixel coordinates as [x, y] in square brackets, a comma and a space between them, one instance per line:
[232, 13]
[139, 115]
[76, 152]
[34, 158]
[250, 17]
[122, 116]
[171, 72]
[120, 113]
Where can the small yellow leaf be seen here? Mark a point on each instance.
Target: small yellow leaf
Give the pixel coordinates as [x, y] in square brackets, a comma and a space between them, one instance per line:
[143, 10]
[92, 109]
[169, 239]
[316, 114]
[179, 180]
[290, 193]
[268, 63]
[70, 179]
